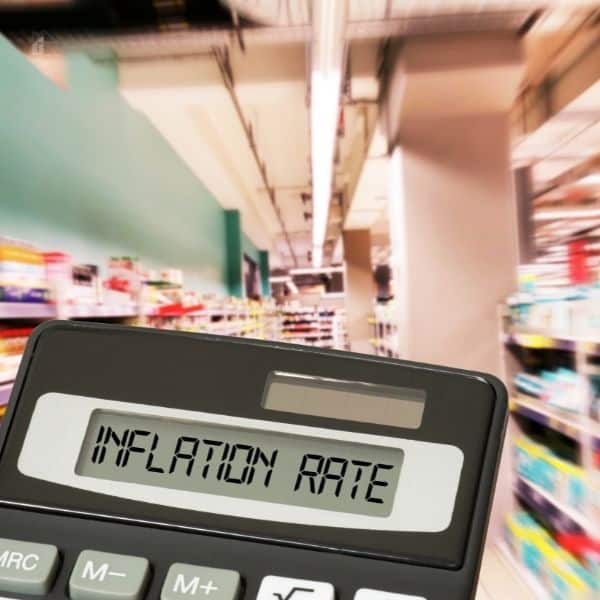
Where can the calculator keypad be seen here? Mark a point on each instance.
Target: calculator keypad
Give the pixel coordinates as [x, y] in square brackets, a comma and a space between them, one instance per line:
[31, 568]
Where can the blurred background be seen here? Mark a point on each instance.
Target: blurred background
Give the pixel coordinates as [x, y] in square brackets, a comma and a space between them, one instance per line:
[405, 178]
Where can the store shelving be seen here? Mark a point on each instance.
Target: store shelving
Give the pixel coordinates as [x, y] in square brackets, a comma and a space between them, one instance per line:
[5, 390]
[573, 425]
[26, 310]
[384, 331]
[101, 311]
[554, 422]
[532, 493]
[317, 326]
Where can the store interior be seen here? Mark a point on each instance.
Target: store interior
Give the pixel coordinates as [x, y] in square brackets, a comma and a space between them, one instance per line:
[412, 180]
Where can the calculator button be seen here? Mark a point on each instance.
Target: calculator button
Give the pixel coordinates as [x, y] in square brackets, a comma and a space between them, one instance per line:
[190, 581]
[285, 588]
[103, 576]
[27, 568]
[366, 594]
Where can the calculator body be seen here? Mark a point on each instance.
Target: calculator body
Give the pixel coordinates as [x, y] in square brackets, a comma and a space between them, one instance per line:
[198, 381]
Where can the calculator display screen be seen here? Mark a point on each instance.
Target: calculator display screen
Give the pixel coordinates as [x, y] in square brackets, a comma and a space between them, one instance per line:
[244, 463]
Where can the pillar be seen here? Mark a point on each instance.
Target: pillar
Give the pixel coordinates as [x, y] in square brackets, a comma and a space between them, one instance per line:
[263, 263]
[233, 240]
[359, 288]
[524, 200]
[452, 212]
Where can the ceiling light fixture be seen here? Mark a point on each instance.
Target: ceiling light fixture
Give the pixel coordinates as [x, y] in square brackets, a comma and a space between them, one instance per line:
[553, 215]
[317, 270]
[329, 23]
[591, 179]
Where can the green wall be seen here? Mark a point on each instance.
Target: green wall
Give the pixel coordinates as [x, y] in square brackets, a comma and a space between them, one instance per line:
[82, 172]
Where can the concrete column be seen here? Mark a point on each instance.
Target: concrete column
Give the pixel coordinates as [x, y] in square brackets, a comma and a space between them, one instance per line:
[452, 212]
[233, 268]
[359, 288]
[524, 200]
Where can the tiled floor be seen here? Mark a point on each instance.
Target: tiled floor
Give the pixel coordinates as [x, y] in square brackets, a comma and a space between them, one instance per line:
[499, 581]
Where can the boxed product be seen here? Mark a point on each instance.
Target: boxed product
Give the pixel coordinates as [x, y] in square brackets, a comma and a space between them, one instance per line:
[22, 273]
[564, 480]
[124, 276]
[557, 570]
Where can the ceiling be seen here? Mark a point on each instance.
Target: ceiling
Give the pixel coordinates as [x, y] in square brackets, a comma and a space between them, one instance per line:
[249, 142]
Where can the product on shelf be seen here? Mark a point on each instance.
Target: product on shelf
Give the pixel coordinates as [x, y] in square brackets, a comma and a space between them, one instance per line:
[565, 481]
[124, 278]
[85, 287]
[558, 571]
[384, 328]
[22, 273]
[317, 326]
[12, 345]
[586, 549]
[561, 388]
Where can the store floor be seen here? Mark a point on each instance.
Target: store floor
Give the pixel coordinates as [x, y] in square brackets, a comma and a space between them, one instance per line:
[498, 579]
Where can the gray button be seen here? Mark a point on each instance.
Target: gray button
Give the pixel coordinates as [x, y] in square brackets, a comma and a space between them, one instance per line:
[189, 581]
[103, 576]
[27, 568]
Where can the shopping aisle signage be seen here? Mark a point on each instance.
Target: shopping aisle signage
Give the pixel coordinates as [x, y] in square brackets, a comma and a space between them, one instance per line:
[258, 460]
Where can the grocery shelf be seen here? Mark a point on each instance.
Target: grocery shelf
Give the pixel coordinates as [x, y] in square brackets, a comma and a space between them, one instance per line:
[573, 514]
[540, 341]
[8, 376]
[549, 341]
[569, 424]
[26, 310]
[537, 589]
[5, 390]
[101, 311]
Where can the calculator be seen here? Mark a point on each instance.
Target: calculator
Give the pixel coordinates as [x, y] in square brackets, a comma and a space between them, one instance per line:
[139, 464]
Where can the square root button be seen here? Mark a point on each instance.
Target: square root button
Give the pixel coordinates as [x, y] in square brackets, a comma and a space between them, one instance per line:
[287, 588]
[103, 576]
[187, 582]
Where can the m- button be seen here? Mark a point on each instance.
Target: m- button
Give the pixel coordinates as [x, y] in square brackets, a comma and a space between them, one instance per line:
[192, 582]
[103, 576]
[27, 568]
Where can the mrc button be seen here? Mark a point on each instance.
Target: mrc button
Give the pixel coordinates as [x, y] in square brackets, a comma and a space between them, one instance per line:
[27, 568]
[104, 576]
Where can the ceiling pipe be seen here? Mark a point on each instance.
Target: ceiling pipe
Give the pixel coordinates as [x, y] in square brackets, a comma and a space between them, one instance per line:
[222, 59]
[327, 70]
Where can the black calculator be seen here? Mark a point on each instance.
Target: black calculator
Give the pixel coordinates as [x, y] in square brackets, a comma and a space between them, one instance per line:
[177, 466]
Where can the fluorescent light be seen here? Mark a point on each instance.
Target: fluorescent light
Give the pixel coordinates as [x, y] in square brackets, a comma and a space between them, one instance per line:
[316, 270]
[292, 287]
[551, 215]
[317, 254]
[329, 21]
[280, 279]
[591, 179]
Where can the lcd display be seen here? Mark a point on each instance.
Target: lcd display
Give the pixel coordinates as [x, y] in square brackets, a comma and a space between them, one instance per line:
[244, 463]
[347, 400]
